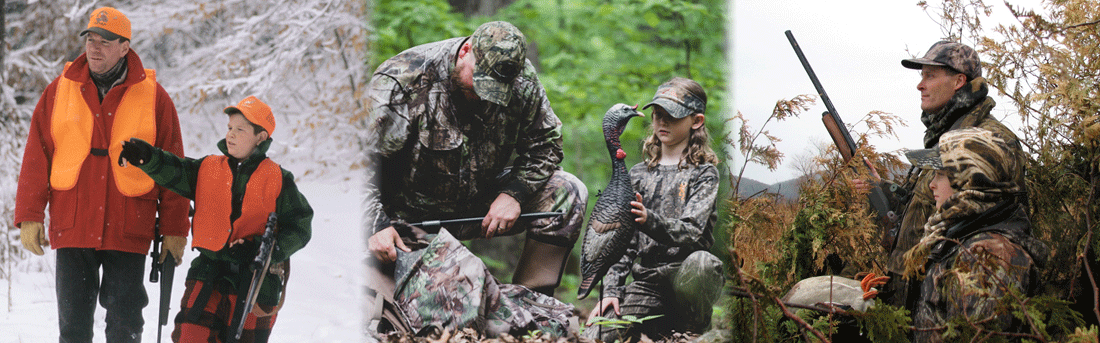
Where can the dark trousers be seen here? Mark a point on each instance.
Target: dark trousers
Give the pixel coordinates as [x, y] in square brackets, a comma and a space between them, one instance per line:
[120, 291]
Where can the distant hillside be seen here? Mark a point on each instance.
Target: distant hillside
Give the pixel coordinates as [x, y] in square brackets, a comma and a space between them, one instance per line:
[787, 189]
[748, 187]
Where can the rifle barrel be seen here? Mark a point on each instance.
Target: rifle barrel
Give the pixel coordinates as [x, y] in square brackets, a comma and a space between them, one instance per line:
[168, 269]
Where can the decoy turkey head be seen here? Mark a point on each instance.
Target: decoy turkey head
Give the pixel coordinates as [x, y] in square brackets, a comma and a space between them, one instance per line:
[614, 121]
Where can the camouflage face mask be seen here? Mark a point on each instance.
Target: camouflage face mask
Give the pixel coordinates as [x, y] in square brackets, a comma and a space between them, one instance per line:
[983, 173]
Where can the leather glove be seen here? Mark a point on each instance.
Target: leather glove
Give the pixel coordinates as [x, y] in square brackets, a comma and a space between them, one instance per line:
[175, 244]
[135, 151]
[33, 235]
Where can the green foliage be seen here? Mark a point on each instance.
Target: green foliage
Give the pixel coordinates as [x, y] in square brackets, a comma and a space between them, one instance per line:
[759, 321]
[622, 322]
[885, 323]
[593, 54]
[399, 25]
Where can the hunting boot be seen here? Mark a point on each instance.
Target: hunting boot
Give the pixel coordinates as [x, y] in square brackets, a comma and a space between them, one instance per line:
[541, 266]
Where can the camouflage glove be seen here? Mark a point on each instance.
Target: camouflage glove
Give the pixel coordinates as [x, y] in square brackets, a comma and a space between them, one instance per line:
[33, 235]
[135, 151]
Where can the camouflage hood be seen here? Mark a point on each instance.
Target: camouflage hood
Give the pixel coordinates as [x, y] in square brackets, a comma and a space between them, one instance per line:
[970, 99]
[988, 197]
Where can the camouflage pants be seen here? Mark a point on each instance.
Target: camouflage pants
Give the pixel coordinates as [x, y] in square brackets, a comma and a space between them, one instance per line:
[564, 193]
[444, 286]
[681, 294]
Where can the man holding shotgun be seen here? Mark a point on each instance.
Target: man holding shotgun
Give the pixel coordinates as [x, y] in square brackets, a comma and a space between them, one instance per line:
[462, 128]
[953, 96]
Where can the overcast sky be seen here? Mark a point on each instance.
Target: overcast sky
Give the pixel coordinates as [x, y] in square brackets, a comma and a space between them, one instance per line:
[854, 47]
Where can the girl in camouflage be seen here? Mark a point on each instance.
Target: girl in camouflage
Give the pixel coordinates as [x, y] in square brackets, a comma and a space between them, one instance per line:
[676, 279]
[978, 248]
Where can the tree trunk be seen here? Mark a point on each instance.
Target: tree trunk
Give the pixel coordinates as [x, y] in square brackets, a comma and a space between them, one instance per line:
[3, 39]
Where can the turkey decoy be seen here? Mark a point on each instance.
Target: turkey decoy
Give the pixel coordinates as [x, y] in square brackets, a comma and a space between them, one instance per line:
[611, 224]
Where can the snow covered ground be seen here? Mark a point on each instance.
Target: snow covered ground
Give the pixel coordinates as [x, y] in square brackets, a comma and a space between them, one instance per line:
[324, 294]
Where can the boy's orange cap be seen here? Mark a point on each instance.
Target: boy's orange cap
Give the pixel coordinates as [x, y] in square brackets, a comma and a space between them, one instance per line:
[109, 23]
[256, 111]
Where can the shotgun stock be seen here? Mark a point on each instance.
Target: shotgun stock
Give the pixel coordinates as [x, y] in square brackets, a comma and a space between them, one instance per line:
[880, 204]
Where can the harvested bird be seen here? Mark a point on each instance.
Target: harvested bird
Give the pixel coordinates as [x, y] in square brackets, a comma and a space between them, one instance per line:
[611, 225]
[827, 290]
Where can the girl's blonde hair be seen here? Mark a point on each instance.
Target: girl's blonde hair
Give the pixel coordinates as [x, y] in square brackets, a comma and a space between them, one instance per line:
[698, 150]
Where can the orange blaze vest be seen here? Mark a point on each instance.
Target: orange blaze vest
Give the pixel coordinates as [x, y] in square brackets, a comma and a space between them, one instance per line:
[71, 128]
[210, 227]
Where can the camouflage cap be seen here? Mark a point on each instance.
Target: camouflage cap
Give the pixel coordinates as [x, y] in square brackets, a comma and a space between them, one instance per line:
[925, 158]
[956, 56]
[500, 50]
[677, 100]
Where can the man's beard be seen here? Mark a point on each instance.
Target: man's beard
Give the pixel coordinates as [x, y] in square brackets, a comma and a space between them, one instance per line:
[460, 89]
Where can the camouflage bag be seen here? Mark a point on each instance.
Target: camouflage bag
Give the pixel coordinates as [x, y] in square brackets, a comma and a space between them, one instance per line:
[444, 286]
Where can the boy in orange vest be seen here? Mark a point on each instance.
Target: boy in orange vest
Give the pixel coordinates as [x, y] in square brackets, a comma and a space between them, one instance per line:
[233, 194]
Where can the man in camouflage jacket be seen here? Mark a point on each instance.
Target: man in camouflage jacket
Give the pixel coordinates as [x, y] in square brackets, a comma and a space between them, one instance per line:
[445, 120]
[978, 257]
[953, 96]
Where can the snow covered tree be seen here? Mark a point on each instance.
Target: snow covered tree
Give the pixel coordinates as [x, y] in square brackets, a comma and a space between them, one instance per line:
[37, 40]
[302, 57]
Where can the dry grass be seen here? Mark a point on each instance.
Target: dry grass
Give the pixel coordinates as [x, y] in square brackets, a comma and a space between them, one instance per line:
[756, 228]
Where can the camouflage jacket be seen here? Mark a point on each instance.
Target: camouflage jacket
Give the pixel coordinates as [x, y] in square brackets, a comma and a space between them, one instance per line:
[968, 279]
[436, 154]
[681, 216]
[181, 175]
[970, 111]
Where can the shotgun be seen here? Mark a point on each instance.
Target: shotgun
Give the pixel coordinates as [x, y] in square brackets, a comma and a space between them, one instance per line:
[880, 204]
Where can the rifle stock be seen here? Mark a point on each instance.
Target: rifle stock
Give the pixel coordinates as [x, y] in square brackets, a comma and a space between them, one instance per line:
[880, 204]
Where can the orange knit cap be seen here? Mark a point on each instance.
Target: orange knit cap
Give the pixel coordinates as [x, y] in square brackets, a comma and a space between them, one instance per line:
[109, 23]
[256, 111]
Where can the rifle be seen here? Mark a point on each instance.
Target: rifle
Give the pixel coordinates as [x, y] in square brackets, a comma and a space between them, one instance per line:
[432, 223]
[167, 270]
[886, 218]
[259, 266]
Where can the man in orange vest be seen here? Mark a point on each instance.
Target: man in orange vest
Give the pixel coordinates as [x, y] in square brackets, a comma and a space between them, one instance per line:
[102, 215]
[233, 193]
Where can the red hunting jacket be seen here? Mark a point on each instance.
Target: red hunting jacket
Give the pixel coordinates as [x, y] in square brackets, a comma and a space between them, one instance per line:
[94, 213]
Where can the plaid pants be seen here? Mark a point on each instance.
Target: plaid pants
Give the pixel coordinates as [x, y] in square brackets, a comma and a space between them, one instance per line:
[208, 320]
